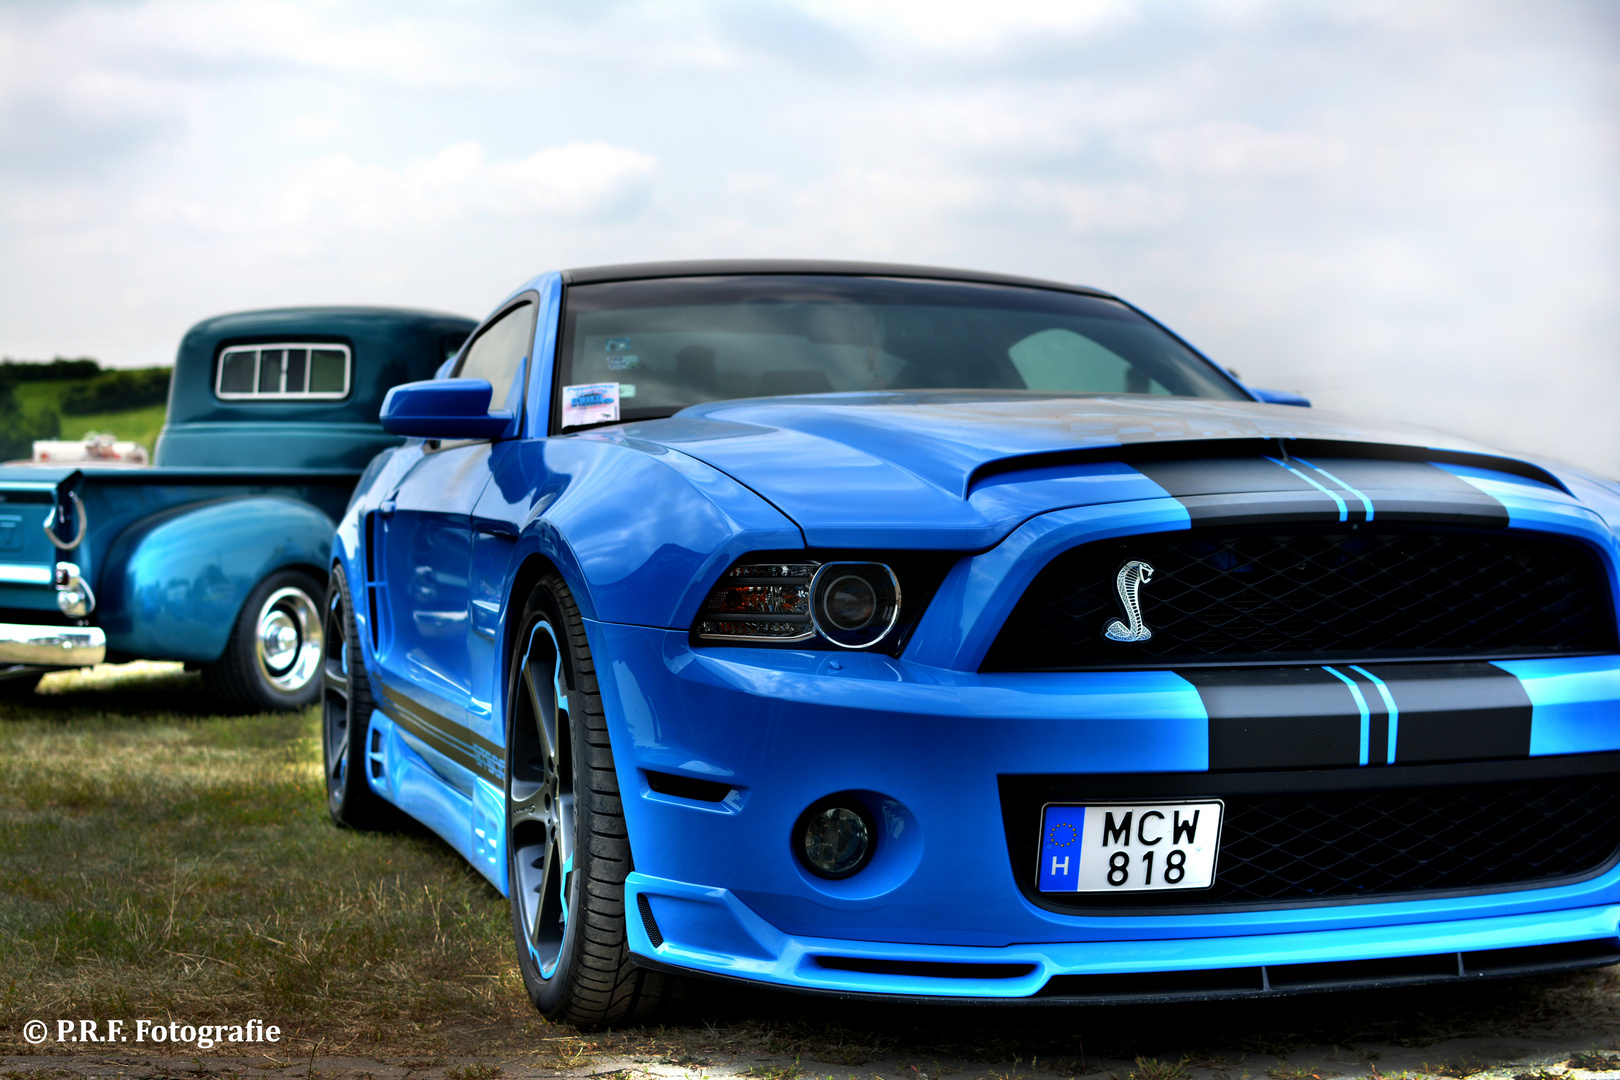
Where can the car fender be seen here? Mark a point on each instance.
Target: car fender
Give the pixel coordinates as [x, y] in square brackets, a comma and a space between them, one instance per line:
[566, 500]
[173, 584]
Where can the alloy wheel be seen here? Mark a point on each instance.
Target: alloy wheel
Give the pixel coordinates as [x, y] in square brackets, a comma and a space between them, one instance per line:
[540, 800]
[335, 706]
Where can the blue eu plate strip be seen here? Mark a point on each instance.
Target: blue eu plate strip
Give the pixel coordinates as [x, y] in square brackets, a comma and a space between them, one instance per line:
[1061, 830]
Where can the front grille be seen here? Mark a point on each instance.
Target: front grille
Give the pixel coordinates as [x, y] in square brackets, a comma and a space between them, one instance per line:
[1287, 847]
[1314, 595]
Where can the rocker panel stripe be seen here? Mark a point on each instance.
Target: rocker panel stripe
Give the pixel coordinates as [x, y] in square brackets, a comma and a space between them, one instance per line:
[463, 747]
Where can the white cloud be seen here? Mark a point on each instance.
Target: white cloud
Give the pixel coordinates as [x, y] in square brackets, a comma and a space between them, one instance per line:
[570, 181]
[749, 183]
[1404, 209]
[973, 26]
[1244, 151]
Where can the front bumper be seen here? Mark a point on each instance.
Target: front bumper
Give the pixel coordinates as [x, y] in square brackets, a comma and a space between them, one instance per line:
[52, 646]
[709, 931]
[781, 729]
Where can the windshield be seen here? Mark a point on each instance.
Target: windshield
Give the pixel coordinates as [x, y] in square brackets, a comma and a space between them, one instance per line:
[635, 350]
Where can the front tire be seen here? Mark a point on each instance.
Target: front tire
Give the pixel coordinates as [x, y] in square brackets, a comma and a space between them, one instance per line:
[346, 706]
[273, 658]
[567, 848]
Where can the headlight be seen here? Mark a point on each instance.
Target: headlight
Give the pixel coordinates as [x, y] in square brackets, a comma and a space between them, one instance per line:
[820, 600]
[760, 602]
[854, 604]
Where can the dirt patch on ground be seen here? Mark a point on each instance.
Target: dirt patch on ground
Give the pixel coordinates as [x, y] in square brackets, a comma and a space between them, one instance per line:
[1530, 1029]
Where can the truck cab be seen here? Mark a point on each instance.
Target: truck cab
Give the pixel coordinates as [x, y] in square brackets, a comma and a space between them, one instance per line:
[215, 554]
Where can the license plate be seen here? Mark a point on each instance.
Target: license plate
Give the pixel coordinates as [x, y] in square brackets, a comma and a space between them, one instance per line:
[1129, 847]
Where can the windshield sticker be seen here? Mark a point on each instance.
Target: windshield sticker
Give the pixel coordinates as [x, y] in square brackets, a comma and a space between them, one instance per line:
[590, 403]
[616, 344]
[623, 362]
[627, 390]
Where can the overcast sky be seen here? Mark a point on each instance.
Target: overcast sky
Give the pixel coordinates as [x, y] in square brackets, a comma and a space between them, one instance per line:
[1406, 210]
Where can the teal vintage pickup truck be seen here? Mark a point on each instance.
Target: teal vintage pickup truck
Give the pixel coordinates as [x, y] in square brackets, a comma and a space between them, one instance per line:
[216, 554]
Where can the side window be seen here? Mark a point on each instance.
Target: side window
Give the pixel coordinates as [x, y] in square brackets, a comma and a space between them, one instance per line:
[292, 371]
[1063, 360]
[498, 352]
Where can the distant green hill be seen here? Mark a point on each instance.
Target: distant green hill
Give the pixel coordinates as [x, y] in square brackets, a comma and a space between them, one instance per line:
[138, 425]
[128, 404]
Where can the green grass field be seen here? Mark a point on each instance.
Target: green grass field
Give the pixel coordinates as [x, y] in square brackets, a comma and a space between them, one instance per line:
[138, 425]
[160, 861]
[157, 861]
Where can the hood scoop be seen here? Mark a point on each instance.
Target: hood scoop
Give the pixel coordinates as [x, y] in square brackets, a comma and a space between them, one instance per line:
[958, 471]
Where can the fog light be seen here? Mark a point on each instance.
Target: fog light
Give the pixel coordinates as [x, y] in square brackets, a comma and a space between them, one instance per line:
[835, 838]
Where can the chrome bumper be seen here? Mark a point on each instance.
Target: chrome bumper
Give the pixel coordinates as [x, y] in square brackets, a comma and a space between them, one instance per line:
[52, 646]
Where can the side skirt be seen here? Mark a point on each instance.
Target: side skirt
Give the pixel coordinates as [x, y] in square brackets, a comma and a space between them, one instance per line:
[467, 811]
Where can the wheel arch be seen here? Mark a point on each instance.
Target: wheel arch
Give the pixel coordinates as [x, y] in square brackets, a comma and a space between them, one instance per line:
[531, 570]
[174, 585]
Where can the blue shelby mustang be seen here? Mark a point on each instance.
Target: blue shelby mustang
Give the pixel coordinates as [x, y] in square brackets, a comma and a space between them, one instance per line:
[918, 633]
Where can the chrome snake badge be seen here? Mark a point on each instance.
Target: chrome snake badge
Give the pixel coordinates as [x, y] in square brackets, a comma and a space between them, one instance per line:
[1132, 576]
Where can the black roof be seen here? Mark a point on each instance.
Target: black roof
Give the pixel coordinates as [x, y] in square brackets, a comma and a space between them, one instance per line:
[726, 267]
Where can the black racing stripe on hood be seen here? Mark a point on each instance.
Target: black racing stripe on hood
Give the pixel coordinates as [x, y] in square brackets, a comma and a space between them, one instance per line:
[1412, 491]
[1312, 717]
[1138, 453]
[1301, 489]
[1216, 489]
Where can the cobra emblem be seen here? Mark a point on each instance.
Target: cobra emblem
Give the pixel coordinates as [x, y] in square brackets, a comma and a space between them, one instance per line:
[1132, 576]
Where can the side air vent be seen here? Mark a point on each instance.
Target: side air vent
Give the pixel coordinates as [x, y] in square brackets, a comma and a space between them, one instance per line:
[927, 969]
[653, 934]
[687, 787]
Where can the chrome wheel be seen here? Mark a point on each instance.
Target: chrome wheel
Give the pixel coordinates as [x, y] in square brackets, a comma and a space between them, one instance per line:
[540, 800]
[288, 639]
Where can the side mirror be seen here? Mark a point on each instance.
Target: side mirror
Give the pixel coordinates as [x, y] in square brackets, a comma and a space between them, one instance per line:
[444, 409]
[1279, 397]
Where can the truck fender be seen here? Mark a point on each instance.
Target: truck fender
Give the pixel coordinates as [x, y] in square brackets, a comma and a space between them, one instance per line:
[173, 584]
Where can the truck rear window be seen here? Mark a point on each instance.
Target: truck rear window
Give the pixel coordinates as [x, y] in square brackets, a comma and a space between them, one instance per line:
[282, 371]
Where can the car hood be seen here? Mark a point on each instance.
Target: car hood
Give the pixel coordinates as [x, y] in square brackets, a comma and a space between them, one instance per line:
[960, 471]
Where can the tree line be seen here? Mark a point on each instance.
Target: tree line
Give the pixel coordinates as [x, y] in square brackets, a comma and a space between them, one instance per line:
[90, 389]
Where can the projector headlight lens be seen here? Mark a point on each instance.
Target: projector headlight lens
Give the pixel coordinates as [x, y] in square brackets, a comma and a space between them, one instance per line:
[854, 605]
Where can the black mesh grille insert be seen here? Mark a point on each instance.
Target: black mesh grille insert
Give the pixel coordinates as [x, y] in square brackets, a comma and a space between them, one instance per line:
[647, 920]
[1314, 595]
[1300, 846]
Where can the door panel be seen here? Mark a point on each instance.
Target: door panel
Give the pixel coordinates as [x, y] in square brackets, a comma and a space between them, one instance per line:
[427, 554]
